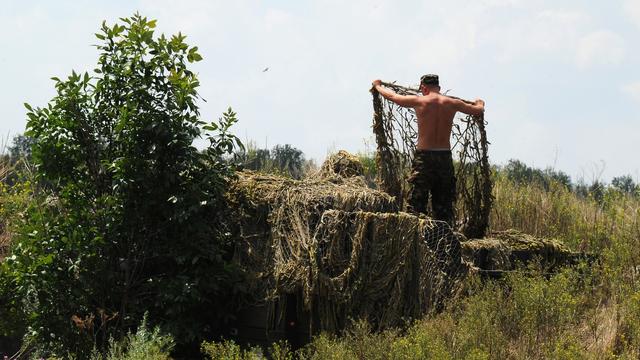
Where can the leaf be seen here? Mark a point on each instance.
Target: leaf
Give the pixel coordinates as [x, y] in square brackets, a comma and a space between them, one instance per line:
[28, 107]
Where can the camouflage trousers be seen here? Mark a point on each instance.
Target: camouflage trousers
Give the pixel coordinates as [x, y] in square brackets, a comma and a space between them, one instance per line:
[432, 176]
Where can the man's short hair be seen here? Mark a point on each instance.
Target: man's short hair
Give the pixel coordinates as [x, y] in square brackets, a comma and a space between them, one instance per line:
[430, 80]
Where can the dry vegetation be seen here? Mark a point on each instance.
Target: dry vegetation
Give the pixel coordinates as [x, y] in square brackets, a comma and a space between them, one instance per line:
[588, 311]
[591, 310]
[5, 170]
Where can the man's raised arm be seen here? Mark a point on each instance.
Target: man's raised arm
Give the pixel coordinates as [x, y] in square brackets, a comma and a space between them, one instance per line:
[402, 100]
[477, 108]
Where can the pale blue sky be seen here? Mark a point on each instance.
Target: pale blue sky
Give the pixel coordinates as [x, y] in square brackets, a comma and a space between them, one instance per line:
[561, 78]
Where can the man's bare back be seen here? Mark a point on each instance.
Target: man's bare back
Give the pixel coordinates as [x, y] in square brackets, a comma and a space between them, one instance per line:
[435, 113]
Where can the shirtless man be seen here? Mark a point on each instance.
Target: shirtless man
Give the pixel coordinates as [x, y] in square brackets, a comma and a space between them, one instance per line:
[432, 168]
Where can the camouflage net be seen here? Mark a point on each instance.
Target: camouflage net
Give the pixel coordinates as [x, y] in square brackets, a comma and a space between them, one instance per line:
[395, 130]
[341, 248]
[505, 251]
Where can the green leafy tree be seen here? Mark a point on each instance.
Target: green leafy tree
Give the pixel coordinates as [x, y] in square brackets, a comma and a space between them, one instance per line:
[597, 191]
[14, 165]
[624, 184]
[132, 217]
[255, 159]
[560, 177]
[20, 148]
[282, 159]
[288, 160]
[521, 173]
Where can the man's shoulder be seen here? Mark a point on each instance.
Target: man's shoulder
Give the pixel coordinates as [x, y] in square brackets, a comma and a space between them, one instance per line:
[437, 99]
[446, 99]
[450, 102]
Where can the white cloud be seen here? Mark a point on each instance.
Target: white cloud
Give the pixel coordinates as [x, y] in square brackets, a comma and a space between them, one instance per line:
[602, 47]
[553, 30]
[563, 17]
[275, 17]
[544, 33]
[558, 35]
[632, 90]
[446, 48]
[500, 3]
[632, 9]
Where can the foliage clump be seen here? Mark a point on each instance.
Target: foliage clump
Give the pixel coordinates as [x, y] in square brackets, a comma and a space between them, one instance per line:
[521, 173]
[127, 213]
[523, 316]
[281, 159]
[144, 344]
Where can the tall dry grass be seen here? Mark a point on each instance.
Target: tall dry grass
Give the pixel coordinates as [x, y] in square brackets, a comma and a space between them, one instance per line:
[580, 222]
[609, 228]
[5, 238]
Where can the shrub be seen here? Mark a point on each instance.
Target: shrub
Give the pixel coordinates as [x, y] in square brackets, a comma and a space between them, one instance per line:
[13, 200]
[144, 344]
[229, 350]
[370, 168]
[128, 213]
[628, 336]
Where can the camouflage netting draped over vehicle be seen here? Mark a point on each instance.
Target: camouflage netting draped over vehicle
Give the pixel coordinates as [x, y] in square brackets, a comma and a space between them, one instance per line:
[395, 131]
[341, 248]
[504, 251]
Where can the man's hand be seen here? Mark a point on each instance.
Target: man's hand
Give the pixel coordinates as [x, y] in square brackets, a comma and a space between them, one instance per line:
[374, 86]
[480, 104]
[389, 94]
